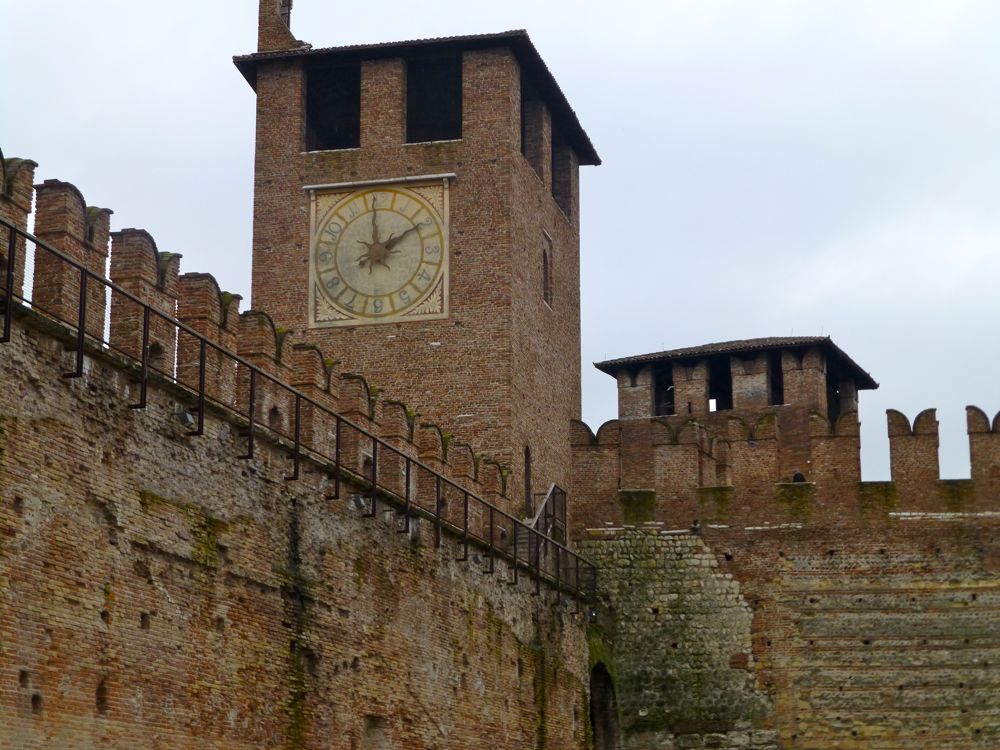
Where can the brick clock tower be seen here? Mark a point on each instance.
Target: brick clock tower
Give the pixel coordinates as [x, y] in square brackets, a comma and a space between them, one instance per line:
[416, 215]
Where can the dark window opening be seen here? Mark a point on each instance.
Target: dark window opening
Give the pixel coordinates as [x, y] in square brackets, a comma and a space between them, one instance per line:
[562, 173]
[532, 113]
[720, 384]
[832, 400]
[434, 99]
[547, 272]
[775, 380]
[333, 107]
[663, 391]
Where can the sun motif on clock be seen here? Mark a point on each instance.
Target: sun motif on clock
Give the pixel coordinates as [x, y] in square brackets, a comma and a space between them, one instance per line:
[379, 254]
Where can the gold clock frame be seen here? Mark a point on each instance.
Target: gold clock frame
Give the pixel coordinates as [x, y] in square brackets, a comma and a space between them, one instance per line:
[430, 195]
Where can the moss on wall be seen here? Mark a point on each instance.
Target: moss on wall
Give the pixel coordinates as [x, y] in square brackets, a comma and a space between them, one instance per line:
[677, 621]
[205, 529]
[796, 498]
[715, 502]
[638, 505]
[877, 497]
[956, 494]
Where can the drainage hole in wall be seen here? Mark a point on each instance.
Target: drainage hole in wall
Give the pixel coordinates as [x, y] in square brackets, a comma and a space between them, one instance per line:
[23, 679]
[36, 703]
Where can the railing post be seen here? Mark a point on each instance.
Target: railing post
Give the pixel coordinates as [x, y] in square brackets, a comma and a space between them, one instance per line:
[558, 575]
[336, 459]
[253, 410]
[406, 498]
[514, 578]
[492, 547]
[298, 439]
[576, 582]
[8, 302]
[81, 331]
[202, 365]
[144, 361]
[437, 511]
[374, 479]
[465, 527]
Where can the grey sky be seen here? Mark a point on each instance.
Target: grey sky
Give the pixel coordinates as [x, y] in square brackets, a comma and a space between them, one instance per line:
[771, 168]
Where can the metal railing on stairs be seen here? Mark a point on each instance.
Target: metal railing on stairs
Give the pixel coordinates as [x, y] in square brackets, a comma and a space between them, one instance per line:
[408, 487]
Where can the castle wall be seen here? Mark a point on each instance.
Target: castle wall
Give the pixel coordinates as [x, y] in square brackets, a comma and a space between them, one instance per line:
[161, 592]
[167, 589]
[677, 643]
[871, 603]
[879, 636]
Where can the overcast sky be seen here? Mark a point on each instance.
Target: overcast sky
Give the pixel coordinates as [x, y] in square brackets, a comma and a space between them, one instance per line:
[804, 167]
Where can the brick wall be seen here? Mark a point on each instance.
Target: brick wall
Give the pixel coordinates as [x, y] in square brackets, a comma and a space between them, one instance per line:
[502, 370]
[162, 592]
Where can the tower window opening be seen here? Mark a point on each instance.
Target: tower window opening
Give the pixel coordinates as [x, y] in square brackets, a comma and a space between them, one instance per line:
[434, 99]
[532, 111]
[720, 384]
[333, 107]
[833, 405]
[775, 380]
[562, 172]
[663, 391]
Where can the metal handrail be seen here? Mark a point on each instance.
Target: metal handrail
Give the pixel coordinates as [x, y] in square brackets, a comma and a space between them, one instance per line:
[299, 449]
[533, 521]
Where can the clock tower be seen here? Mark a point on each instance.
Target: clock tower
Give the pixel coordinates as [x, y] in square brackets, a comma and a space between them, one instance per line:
[416, 215]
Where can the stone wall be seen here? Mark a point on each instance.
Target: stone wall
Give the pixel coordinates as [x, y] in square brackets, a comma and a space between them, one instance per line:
[676, 639]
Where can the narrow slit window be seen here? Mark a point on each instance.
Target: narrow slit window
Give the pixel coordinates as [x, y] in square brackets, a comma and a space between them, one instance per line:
[333, 107]
[434, 99]
[547, 272]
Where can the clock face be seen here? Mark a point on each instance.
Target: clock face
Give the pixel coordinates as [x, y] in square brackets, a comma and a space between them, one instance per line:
[379, 254]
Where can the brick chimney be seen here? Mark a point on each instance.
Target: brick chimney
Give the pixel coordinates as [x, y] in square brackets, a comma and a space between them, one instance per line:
[273, 26]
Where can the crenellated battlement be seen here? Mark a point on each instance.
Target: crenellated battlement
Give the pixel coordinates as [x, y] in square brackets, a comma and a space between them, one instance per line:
[201, 359]
[728, 468]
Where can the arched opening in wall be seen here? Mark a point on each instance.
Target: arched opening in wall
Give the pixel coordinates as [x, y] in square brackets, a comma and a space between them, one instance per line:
[603, 710]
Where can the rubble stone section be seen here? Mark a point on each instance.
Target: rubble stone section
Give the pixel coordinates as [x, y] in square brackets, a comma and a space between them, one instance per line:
[677, 643]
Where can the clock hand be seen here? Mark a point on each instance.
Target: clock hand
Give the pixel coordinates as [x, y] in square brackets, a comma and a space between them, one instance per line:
[390, 243]
[374, 226]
